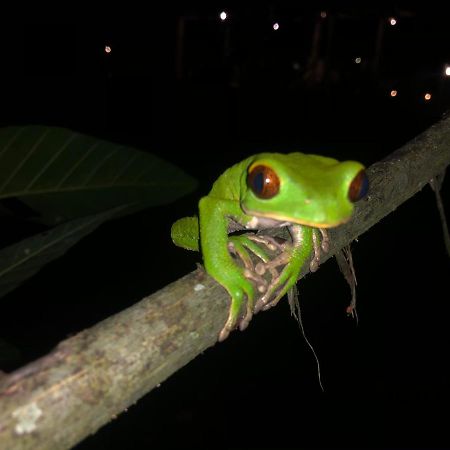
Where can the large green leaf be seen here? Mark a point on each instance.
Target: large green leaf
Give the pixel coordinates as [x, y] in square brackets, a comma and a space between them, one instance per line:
[75, 182]
[22, 260]
[62, 174]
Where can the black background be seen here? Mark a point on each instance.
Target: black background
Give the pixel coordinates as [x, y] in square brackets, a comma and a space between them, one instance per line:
[242, 89]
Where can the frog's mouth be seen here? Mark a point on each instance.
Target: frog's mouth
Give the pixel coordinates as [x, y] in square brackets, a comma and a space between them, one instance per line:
[272, 220]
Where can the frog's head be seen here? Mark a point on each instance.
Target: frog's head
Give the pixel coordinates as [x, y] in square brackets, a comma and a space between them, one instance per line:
[304, 189]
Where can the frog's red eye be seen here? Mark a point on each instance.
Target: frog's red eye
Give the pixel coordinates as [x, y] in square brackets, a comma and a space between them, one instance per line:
[358, 187]
[263, 181]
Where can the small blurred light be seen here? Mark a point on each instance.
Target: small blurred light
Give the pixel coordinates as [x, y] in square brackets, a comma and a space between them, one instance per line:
[107, 49]
[392, 21]
[427, 97]
[393, 93]
[447, 70]
[276, 26]
[358, 60]
[323, 14]
[296, 65]
[223, 15]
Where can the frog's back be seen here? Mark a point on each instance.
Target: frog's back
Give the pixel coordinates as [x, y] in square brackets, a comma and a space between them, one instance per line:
[228, 185]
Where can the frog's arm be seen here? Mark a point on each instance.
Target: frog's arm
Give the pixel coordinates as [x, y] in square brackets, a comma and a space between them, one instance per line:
[214, 217]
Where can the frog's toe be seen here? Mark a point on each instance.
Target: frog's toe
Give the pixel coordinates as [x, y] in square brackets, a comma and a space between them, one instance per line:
[224, 333]
[234, 316]
[229, 326]
[243, 324]
[232, 323]
[276, 291]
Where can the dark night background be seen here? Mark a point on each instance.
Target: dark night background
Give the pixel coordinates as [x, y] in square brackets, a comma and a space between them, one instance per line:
[204, 93]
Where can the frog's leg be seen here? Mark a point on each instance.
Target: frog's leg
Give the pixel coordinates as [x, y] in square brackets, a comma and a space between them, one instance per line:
[270, 242]
[294, 257]
[304, 240]
[240, 245]
[214, 214]
[185, 233]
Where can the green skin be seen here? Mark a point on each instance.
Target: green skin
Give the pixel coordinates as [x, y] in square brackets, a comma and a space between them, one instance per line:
[313, 195]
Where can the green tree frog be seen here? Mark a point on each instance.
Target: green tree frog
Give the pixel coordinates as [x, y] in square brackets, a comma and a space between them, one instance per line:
[303, 192]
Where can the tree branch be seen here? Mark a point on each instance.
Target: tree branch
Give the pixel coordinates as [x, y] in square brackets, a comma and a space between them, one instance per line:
[56, 401]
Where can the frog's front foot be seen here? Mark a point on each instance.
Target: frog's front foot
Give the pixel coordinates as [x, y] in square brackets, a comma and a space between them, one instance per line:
[236, 318]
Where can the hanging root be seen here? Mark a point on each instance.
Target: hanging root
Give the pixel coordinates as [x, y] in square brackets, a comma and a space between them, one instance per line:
[436, 184]
[294, 304]
[345, 262]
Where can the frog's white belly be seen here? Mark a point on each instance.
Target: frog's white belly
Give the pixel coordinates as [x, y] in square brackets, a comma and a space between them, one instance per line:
[262, 223]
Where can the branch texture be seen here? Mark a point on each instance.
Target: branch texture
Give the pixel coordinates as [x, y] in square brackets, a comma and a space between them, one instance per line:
[88, 379]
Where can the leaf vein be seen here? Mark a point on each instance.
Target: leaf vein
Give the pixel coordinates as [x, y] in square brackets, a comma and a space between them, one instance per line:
[50, 161]
[125, 167]
[11, 140]
[99, 165]
[76, 165]
[24, 160]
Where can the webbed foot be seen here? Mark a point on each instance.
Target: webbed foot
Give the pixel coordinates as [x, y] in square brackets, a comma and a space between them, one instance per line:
[241, 287]
[240, 247]
[281, 282]
[240, 290]
[293, 257]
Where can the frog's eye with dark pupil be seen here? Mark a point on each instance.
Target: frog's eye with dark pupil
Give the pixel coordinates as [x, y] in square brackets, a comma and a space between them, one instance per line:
[263, 181]
[358, 187]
